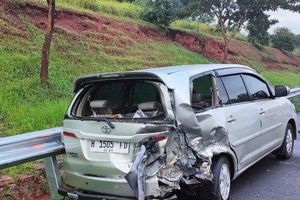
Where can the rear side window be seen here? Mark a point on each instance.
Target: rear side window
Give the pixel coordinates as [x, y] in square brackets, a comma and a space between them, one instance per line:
[236, 89]
[257, 88]
[202, 93]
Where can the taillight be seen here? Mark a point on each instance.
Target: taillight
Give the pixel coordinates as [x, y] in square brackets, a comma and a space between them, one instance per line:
[68, 134]
[158, 138]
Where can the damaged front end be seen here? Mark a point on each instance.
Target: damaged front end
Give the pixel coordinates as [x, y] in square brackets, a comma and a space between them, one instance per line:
[180, 158]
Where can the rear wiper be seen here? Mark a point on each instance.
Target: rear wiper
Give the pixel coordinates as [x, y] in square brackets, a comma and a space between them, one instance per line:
[101, 119]
[105, 120]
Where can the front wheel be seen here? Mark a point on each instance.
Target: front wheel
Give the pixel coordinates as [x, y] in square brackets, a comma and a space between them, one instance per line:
[286, 149]
[219, 189]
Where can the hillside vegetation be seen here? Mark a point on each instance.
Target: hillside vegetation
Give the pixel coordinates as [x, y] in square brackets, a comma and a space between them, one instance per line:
[102, 36]
[82, 44]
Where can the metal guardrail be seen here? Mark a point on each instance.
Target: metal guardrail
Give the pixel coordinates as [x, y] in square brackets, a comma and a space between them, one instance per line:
[294, 92]
[18, 149]
[46, 144]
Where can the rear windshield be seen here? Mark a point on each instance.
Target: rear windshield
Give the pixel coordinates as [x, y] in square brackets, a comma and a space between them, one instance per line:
[120, 99]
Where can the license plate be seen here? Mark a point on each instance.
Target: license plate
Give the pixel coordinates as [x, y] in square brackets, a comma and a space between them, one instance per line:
[109, 146]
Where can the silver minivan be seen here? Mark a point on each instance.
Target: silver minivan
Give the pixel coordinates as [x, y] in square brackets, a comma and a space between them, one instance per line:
[172, 132]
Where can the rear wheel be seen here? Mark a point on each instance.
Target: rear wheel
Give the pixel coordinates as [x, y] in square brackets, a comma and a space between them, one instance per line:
[286, 149]
[219, 189]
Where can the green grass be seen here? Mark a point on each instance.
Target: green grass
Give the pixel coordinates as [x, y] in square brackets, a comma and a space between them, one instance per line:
[297, 51]
[202, 29]
[287, 78]
[26, 106]
[14, 171]
[283, 78]
[112, 7]
[296, 102]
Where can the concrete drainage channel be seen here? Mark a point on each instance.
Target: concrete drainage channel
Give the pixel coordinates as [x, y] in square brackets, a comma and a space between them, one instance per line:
[46, 145]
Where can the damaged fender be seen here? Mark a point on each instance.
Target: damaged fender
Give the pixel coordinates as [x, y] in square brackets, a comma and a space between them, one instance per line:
[186, 156]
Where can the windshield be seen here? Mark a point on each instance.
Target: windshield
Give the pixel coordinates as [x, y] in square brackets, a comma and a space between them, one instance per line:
[129, 99]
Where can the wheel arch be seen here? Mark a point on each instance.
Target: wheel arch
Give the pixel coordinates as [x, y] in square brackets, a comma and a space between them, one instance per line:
[231, 160]
[293, 123]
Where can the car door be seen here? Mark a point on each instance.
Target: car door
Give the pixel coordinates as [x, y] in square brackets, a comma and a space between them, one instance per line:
[242, 120]
[269, 112]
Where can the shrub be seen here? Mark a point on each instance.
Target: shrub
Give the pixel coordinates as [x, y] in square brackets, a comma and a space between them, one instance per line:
[283, 39]
[160, 12]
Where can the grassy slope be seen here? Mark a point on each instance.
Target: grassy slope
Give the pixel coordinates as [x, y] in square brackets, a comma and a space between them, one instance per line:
[248, 54]
[26, 106]
[203, 29]
[106, 7]
[297, 51]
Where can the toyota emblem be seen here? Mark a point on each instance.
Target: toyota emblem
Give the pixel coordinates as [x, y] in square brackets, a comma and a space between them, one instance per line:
[106, 129]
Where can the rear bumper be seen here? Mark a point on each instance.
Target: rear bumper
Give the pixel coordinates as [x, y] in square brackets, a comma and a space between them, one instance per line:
[102, 185]
[115, 187]
[76, 195]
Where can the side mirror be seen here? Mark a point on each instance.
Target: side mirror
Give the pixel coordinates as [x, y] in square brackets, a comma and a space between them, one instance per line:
[281, 91]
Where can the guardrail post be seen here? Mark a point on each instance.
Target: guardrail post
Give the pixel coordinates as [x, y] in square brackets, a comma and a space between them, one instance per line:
[53, 176]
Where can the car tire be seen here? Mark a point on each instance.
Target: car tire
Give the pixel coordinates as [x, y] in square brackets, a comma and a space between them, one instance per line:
[287, 147]
[219, 188]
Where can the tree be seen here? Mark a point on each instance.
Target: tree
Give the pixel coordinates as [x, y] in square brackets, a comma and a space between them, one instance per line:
[232, 15]
[283, 39]
[160, 12]
[258, 27]
[297, 40]
[191, 9]
[47, 43]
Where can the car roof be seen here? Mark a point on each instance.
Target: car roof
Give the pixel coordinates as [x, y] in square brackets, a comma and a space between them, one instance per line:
[191, 69]
[168, 75]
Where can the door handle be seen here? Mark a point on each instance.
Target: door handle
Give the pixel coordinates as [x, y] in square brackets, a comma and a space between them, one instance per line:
[262, 111]
[231, 119]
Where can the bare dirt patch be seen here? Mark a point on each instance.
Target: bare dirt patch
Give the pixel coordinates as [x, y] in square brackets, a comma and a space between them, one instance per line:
[9, 20]
[205, 46]
[113, 35]
[273, 66]
[24, 187]
[103, 29]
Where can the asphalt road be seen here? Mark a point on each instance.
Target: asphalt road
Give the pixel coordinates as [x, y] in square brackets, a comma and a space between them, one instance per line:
[270, 179]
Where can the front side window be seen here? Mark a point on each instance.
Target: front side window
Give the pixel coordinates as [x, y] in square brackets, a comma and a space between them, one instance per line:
[257, 88]
[235, 88]
[201, 97]
[223, 98]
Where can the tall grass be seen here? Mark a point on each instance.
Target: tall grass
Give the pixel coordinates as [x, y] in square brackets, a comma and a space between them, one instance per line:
[297, 51]
[112, 7]
[296, 102]
[208, 30]
[288, 78]
[26, 106]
